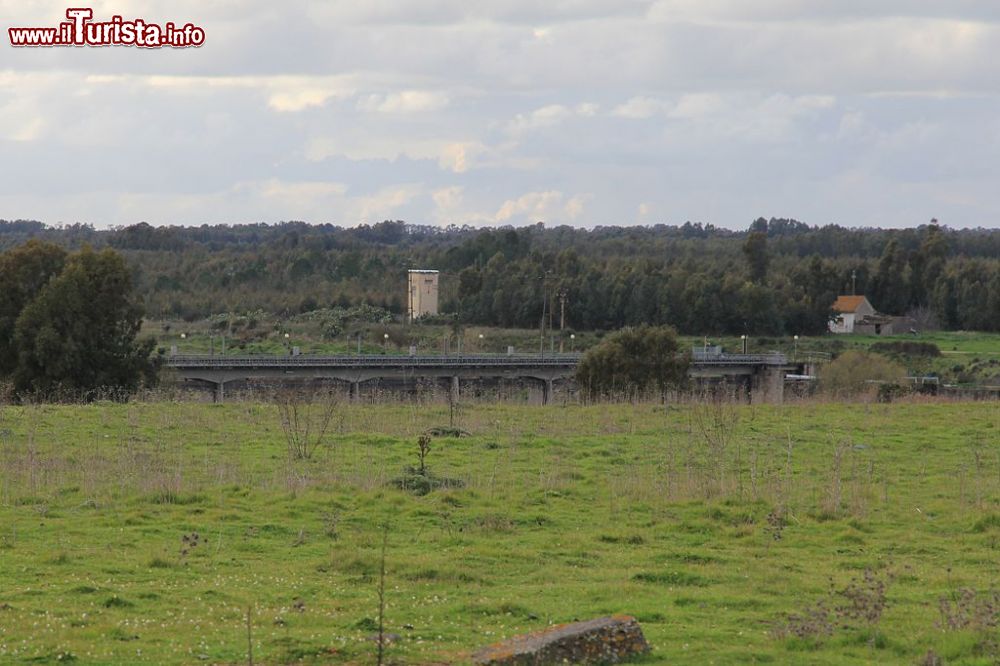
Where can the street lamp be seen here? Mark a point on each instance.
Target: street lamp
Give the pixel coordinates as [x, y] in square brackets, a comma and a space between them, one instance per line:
[572, 342]
[744, 339]
[385, 344]
[795, 347]
[480, 342]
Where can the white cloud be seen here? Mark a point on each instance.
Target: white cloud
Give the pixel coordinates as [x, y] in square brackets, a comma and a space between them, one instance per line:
[298, 100]
[283, 93]
[385, 204]
[548, 206]
[459, 157]
[547, 116]
[640, 108]
[405, 101]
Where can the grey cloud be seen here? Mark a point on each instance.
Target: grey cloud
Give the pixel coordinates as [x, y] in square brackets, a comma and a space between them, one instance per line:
[581, 111]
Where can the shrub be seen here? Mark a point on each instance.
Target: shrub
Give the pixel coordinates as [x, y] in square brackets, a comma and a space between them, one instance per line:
[634, 360]
[852, 371]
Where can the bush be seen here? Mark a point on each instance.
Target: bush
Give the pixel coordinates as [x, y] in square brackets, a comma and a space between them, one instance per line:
[634, 360]
[853, 372]
[422, 483]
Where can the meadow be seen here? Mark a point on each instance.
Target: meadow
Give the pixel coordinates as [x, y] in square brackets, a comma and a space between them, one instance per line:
[808, 533]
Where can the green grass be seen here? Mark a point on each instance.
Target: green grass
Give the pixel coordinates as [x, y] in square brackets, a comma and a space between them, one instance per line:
[950, 342]
[567, 512]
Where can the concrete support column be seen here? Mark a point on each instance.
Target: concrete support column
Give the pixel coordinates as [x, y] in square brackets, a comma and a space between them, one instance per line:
[768, 385]
[547, 390]
[220, 392]
[355, 391]
[454, 388]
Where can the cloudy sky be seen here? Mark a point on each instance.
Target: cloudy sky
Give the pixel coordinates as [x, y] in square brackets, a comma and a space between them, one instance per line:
[486, 112]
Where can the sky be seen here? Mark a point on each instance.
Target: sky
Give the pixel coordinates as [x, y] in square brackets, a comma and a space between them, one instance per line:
[488, 112]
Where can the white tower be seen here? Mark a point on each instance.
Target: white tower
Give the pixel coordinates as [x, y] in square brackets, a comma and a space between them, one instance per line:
[422, 294]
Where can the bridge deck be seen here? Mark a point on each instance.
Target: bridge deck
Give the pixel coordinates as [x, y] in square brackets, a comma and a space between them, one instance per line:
[432, 361]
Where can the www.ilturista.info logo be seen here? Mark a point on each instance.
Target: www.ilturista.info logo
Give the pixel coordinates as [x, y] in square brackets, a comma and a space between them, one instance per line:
[81, 30]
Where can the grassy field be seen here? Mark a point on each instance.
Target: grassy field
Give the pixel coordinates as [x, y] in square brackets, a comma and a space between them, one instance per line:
[144, 533]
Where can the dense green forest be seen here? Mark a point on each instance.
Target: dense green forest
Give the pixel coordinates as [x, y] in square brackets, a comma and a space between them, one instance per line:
[777, 277]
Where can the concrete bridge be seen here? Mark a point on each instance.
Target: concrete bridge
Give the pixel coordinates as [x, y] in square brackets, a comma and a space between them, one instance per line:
[762, 374]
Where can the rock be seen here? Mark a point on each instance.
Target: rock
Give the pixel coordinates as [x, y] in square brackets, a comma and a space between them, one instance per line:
[607, 640]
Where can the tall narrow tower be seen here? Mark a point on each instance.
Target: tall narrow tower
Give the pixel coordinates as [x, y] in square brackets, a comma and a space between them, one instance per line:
[422, 298]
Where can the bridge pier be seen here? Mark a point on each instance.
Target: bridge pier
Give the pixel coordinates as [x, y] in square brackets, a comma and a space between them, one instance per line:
[220, 392]
[547, 391]
[767, 385]
[455, 388]
[355, 391]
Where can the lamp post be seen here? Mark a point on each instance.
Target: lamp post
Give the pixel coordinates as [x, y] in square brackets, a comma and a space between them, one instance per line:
[795, 347]
[745, 342]
[480, 343]
[288, 343]
[572, 342]
[385, 343]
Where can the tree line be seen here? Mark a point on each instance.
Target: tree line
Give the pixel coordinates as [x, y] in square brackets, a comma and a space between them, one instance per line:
[776, 277]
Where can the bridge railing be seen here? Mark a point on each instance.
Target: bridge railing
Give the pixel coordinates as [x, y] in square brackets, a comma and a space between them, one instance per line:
[814, 357]
[773, 358]
[370, 360]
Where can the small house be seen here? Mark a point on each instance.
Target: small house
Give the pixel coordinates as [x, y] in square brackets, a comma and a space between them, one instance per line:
[848, 312]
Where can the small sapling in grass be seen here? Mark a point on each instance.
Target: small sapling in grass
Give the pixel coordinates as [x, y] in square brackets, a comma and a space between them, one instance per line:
[423, 449]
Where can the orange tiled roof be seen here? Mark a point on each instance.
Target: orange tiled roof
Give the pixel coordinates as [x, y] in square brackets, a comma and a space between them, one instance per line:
[848, 303]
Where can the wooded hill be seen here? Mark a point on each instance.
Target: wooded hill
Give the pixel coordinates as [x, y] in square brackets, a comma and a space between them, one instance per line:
[777, 277]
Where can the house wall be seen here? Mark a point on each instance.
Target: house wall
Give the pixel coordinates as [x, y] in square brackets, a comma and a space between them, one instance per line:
[864, 309]
[843, 324]
[422, 293]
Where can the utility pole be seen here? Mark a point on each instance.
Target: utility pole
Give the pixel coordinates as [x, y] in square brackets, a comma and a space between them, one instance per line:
[541, 331]
[854, 283]
[562, 317]
[551, 311]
